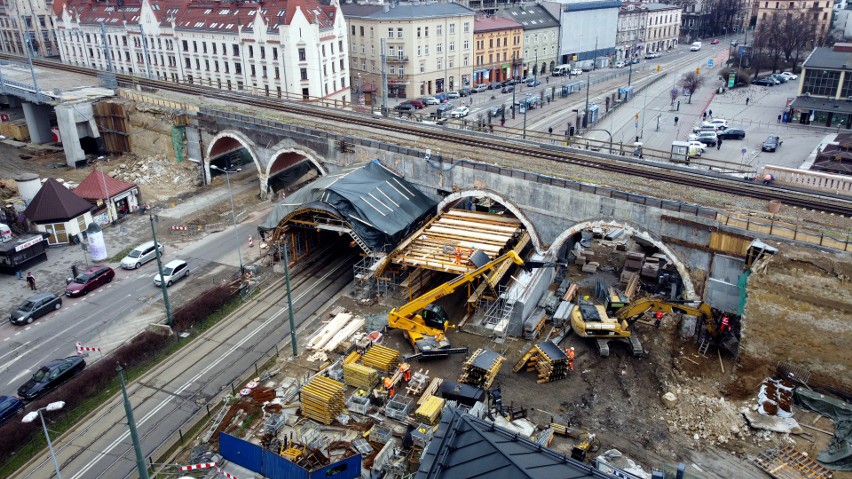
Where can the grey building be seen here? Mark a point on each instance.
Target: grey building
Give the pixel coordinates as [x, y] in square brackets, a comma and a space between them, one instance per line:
[541, 37]
[587, 29]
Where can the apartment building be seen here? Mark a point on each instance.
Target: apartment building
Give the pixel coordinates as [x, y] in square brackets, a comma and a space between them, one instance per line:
[27, 25]
[630, 37]
[819, 11]
[541, 37]
[499, 46]
[663, 26]
[294, 49]
[428, 47]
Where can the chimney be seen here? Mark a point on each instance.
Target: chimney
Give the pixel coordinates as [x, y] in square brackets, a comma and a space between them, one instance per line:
[387, 7]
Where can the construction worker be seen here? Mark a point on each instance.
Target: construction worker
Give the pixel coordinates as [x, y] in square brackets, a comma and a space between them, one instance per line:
[458, 253]
[389, 387]
[726, 325]
[768, 179]
[658, 318]
[570, 353]
[405, 369]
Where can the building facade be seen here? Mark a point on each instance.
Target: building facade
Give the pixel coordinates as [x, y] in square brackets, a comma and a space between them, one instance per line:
[630, 38]
[27, 25]
[428, 48]
[587, 29]
[662, 29]
[295, 49]
[825, 88]
[498, 49]
[820, 11]
[541, 37]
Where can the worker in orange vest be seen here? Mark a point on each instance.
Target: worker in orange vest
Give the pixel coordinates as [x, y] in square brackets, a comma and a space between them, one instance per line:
[658, 318]
[726, 325]
[570, 353]
[389, 387]
[405, 369]
[458, 253]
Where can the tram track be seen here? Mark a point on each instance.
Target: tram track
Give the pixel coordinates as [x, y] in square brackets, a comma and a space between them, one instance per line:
[557, 156]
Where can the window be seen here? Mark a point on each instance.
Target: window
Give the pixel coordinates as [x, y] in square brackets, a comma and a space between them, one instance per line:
[452, 46]
[418, 51]
[426, 50]
[353, 30]
[303, 56]
[452, 28]
[399, 33]
[440, 30]
[303, 73]
[252, 70]
[491, 43]
[467, 45]
[390, 32]
[275, 52]
[361, 29]
[401, 70]
[235, 50]
[465, 61]
[391, 51]
[821, 82]
[423, 68]
[439, 48]
[426, 32]
[238, 69]
[251, 51]
[451, 63]
[418, 32]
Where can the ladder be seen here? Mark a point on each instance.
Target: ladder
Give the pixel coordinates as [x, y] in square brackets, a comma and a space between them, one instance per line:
[703, 346]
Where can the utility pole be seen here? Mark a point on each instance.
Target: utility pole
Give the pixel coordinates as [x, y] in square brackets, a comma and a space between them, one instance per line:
[131, 423]
[290, 303]
[589, 84]
[106, 49]
[383, 47]
[163, 285]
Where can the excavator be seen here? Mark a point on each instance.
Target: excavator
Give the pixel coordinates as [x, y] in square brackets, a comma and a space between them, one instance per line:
[424, 323]
[589, 320]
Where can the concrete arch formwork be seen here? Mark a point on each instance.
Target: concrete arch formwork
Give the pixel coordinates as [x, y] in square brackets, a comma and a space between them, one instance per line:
[224, 142]
[292, 157]
[454, 197]
[633, 229]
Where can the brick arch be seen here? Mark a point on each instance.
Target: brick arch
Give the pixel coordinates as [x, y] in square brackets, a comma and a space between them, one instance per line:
[227, 141]
[292, 157]
[633, 229]
[455, 196]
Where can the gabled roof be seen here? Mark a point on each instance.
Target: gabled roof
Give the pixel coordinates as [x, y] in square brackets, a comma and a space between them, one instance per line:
[55, 203]
[532, 17]
[92, 188]
[466, 447]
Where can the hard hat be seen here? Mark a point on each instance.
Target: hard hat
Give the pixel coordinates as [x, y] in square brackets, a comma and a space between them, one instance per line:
[572, 349]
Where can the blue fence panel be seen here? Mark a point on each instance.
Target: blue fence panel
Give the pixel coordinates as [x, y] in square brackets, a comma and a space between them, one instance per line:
[240, 452]
[276, 467]
[349, 468]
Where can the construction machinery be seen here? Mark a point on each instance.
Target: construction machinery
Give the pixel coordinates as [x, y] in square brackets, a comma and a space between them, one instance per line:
[425, 323]
[589, 320]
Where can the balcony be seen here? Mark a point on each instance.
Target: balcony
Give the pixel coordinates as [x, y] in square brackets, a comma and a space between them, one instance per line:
[397, 59]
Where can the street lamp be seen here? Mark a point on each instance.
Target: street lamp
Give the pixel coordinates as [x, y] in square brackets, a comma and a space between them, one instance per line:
[233, 211]
[54, 406]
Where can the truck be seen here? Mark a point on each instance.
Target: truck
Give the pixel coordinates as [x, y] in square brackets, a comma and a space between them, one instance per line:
[695, 46]
[562, 70]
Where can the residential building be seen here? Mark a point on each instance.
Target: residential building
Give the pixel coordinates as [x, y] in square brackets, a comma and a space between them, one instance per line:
[278, 48]
[630, 36]
[428, 47]
[27, 19]
[825, 88]
[541, 37]
[663, 26]
[587, 29]
[499, 46]
[821, 11]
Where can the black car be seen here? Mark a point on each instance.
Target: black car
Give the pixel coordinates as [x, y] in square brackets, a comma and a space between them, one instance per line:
[496, 111]
[50, 376]
[404, 108]
[772, 143]
[495, 85]
[9, 406]
[35, 307]
[731, 134]
[448, 106]
[708, 139]
[764, 82]
[508, 88]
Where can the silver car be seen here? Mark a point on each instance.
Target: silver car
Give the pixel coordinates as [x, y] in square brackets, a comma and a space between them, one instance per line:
[140, 255]
[173, 271]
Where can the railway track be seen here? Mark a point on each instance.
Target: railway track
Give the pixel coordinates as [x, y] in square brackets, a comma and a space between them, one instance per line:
[565, 156]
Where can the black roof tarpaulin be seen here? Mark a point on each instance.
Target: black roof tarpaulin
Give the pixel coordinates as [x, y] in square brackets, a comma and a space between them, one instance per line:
[380, 206]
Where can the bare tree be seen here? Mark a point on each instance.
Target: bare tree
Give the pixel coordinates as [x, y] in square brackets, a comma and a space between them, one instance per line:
[674, 93]
[691, 82]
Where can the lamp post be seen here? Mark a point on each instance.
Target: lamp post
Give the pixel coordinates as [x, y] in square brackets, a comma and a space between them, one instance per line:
[54, 406]
[233, 211]
[163, 284]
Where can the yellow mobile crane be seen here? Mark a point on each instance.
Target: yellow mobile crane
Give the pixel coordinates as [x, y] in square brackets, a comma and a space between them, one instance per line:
[424, 323]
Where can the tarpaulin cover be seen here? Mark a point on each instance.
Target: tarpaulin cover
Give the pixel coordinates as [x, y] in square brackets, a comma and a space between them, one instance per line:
[381, 207]
[839, 453]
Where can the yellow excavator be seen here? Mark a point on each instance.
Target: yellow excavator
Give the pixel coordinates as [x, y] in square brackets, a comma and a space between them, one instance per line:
[589, 320]
[425, 323]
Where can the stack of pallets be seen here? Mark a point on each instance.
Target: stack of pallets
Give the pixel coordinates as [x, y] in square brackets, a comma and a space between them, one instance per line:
[386, 360]
[430, 411]
[360, 376]
[322, 399]
[481, 369]
[550, 362]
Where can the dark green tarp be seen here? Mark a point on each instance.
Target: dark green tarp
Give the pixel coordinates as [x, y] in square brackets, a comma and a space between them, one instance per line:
[838, 456]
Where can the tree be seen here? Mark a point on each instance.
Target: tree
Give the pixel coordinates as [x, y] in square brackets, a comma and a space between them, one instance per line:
[674, 94]
[691, 82]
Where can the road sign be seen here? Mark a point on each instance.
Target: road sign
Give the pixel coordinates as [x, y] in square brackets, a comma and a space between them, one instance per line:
[744, 151]
[732, 78]
[709, 63]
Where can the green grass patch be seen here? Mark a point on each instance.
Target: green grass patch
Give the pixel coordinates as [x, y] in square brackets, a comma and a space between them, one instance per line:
[120, 255]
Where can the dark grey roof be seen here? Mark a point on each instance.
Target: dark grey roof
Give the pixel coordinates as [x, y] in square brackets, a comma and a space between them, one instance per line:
[404, 11]
[55, 203]
[826, 57]
[532, 17]
[822, 104]
[466, 447]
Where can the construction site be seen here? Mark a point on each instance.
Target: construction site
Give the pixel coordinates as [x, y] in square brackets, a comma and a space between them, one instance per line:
[459, 350]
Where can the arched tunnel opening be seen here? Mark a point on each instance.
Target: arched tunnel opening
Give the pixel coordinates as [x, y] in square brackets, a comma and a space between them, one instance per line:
[289, 171]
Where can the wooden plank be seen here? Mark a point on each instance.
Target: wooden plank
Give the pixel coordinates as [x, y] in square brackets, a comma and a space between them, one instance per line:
[473, 215]
[510, 230]
[469, 235]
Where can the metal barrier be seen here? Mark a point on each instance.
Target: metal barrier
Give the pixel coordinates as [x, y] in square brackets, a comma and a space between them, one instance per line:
[812, 180]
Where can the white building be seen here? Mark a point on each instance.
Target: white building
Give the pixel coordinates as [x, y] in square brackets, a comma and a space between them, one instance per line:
[294, 49]
[588, 29]
[630, 39]
[541, 37]
[27, 19]
[663, 26]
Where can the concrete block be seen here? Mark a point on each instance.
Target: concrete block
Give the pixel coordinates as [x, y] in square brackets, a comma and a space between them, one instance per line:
[669, 400]
[591, 267]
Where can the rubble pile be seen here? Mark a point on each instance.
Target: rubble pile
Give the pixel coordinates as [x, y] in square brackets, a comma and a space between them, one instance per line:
[158, 170]
[708, 420]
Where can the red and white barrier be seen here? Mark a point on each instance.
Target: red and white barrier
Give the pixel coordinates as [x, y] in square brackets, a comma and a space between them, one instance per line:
[251, 242]
[86, 349]
[179, 228]
[229, 476]
[203, 465]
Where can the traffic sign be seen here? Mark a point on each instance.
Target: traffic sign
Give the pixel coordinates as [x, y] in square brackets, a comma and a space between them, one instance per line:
[744, 151]
[709, 63]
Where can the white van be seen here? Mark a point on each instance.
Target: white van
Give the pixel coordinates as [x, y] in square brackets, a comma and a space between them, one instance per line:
[695, 46]
[561, 70]
[140, 255]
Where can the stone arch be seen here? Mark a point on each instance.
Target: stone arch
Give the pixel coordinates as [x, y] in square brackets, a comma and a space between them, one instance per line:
[633, 229]
[271, 170]
[224, 141]
[455, 196]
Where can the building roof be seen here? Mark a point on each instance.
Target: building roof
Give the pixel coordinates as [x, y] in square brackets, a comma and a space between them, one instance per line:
[579, 6]
[656, 7]
[198, 14]
[822, 104]
[55, 203]
[92, 187]
[494, 24]
[838, 57]
[532, 17]
[466, 447]
[405, 11]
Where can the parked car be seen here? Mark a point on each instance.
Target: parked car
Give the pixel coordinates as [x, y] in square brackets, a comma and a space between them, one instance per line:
[442, 97]
[35, 307]
[510, 81]
[446, 107]
[709, 138]
[140, 255]
[465, 91]
[576, 71]
[173, 271]
[50, 376]
[772, 143]
[717, 122]
[620, 64]
[453, 95]
[731, 134]
[635, 60]
[93, 278]
[479, 88]
[404, 108]
[496, 111]
[417, 103]
[507, 88]
[734, 43]
[715, 41]
[789, 75]
[459, 112]
[764, 82]
[533, 82]
[431, 100]
[495, 85]
[778, 77]
[9, 407]
[706, 127]
[651, 55]
[697, 144]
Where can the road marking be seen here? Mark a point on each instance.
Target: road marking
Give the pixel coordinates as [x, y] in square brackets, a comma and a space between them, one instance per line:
[198, 376]
[26, 371]
[14, 350]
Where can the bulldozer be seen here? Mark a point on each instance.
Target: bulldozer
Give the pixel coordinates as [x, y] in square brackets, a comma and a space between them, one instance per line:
[589, 320]
[424, 323]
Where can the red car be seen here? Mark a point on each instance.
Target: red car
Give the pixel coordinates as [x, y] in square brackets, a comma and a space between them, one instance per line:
[88, 280]
[715, 41]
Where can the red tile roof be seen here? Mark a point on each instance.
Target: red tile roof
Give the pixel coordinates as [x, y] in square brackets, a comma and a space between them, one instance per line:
[198, 14]
[55, 203]
[92, 187]
[490, 24]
